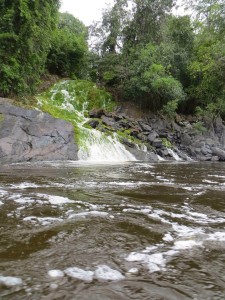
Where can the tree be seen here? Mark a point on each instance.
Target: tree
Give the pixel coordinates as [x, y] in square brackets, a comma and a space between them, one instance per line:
[25, 30]
[67, 55]
[207, 67]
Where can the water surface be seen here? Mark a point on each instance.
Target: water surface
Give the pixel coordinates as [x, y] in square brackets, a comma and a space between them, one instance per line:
[112, 231]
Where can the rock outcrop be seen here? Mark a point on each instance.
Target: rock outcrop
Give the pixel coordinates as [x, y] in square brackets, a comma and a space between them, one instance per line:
[31, 135]
[186, 137]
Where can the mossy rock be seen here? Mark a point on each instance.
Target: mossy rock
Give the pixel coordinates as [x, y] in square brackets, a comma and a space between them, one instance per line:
[2, 117]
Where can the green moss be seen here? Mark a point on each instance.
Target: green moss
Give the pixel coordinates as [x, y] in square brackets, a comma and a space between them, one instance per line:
[2, 117]
[167, 143]
[82, 94]
[126, 134]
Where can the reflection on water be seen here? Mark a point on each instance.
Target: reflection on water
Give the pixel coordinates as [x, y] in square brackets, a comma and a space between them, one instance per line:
[120, 231]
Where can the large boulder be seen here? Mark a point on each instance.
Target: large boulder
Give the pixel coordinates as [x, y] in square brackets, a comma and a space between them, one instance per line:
[31, 135]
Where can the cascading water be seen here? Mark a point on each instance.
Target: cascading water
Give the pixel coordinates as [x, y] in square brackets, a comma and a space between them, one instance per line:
[94, 145]
[174, 154]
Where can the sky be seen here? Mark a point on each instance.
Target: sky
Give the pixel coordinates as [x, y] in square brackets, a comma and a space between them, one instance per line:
[91, 10]
[85, 10]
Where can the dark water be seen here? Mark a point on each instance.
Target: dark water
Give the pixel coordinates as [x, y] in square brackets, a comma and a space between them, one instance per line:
[128, 231]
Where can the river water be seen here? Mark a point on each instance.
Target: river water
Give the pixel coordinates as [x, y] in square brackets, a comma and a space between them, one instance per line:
[112, 231]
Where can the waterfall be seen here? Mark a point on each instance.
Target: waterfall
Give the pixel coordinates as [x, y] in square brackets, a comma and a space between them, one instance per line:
[94, 145]
[99, 147]
[174, 154]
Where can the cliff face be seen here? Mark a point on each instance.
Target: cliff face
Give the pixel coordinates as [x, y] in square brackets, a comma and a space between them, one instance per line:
[31, 135]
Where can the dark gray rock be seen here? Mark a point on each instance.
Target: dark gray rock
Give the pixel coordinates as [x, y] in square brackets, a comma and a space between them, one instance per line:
[108, 121]
[219, 152]
[31, 135]
[157, 143]
[152, 136]
[124, 123]
[145, 127]
[96, 113]
[93, 123]
[142, 155]
[127, 143]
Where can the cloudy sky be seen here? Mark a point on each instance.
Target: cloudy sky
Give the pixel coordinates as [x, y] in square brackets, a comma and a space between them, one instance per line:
[85, 10]
[90, 10]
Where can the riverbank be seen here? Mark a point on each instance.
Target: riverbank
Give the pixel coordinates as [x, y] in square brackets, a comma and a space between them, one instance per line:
[185, 137]
[32, 135]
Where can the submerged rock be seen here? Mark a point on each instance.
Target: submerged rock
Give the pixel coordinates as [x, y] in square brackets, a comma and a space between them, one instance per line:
[31, 135]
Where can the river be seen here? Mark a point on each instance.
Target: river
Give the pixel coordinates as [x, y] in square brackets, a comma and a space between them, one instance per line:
[134, 230]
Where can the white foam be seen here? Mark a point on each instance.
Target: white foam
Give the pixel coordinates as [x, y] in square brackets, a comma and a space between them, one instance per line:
[24, 200]
[57, 200]
[168, 237]
[56, 273]
[155, 262]
[1, 203]
[217, 236]
[198, 215]
[79, 274]
[133, 271]
[186, 244]
[185, 231]
[105, 273]
[93, 213]
[42, 221]
[3, 192]
[10, 281]
[25, 185]
[209, 181]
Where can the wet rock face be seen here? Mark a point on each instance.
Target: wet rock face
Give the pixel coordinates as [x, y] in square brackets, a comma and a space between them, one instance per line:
[158, 134]
[31, 135]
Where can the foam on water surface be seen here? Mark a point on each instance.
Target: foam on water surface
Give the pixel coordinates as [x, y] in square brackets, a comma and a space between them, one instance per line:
[105, 273]
[56, 273]
[42, 221]
[92, 213]
[10, 281]
[80, 274]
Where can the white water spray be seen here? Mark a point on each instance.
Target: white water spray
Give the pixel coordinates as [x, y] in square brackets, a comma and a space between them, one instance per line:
[174, 154]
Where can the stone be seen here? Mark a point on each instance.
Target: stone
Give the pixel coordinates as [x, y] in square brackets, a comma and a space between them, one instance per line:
[215, 158]
[109, 121]
[31, 135]
[145, 127]
[152, 136]
[96, 113]
[142, 155]
[93, 123]
[218, 152]
[126, 142]
[157, 143]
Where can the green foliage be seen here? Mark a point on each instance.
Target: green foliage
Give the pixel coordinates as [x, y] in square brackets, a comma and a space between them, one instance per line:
[199, 127]
[67, 56]
[170, 109]
[167, 143]
[148, 55]
[212, 110]
[70, 100]
[81, 95]
[150, 82]
[25, 30]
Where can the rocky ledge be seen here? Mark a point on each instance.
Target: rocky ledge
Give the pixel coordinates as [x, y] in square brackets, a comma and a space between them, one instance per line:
[186, 137]
[31, 135]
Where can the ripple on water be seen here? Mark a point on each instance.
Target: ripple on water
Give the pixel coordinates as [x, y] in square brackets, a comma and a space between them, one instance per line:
[129, 231]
